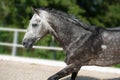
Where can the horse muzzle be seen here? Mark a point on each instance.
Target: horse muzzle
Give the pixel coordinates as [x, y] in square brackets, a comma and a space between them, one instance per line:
[28, 43]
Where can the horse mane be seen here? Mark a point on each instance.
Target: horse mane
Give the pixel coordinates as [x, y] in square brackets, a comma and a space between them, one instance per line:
[69, 17]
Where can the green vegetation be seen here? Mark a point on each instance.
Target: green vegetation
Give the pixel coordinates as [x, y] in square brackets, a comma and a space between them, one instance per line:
[17, 13]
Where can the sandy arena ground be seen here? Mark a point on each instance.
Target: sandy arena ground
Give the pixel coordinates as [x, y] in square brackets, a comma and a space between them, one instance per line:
[13, 70]
[19, 68]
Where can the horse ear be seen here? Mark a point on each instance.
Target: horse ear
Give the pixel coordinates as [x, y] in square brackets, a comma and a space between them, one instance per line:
[35, 10]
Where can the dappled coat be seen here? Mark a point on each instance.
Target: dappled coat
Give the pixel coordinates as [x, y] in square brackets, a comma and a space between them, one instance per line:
[83, 44]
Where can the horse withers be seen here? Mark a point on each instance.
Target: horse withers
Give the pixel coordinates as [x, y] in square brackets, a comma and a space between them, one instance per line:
[82, 44]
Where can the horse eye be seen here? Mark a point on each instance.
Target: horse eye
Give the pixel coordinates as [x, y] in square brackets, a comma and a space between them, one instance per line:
[34, 25]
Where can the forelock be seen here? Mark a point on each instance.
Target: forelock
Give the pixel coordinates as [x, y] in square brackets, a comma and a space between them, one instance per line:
[35, 17]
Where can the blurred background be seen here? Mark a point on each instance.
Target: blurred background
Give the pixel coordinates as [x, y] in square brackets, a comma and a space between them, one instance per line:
[17, 13]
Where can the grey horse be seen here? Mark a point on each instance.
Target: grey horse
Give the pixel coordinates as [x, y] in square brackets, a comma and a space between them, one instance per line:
[83, 45]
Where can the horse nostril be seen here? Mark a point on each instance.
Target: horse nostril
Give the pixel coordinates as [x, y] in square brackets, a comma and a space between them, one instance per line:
[23, 43]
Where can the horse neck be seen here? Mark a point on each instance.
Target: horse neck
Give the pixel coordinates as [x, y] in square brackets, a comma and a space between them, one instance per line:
[66, 32]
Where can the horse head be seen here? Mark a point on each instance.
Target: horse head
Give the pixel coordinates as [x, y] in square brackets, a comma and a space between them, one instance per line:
[38, 28]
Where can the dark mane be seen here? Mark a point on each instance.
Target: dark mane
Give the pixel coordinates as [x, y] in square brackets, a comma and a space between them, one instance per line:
[69, 17]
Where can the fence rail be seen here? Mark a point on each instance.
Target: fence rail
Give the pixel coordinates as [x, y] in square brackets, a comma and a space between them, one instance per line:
[14, 45]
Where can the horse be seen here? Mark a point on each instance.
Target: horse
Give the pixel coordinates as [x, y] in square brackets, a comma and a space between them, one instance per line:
[83, 44]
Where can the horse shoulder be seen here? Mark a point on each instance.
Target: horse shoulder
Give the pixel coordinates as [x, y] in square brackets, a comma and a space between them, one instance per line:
[74, 47]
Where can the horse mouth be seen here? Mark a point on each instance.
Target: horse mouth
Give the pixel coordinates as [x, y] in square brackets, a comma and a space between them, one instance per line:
[28, 45]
